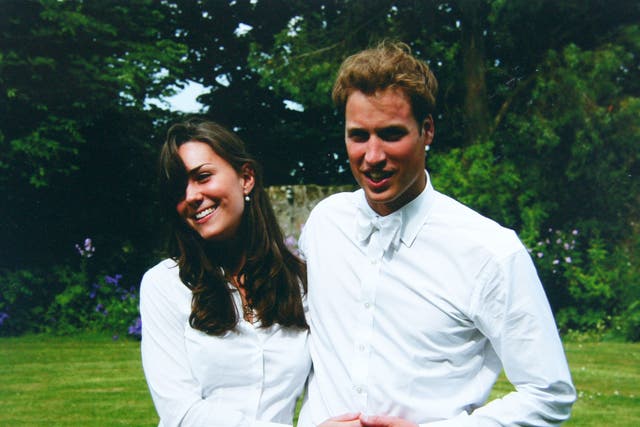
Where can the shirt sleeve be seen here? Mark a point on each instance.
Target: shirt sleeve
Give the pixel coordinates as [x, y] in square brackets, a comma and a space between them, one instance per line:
[176, 394]
[512, 311]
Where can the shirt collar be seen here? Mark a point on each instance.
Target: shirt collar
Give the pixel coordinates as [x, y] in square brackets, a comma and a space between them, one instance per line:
[414, 214]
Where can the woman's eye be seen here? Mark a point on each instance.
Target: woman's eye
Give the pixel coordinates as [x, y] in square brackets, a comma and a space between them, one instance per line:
[201, 177]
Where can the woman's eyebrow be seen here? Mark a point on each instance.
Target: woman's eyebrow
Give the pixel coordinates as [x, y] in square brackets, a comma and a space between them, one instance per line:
[195, 170]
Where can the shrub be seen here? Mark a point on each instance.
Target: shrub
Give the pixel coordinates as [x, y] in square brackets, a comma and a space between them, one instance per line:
[24, 296]
[592, 288]
[68, 300]
[103, 304]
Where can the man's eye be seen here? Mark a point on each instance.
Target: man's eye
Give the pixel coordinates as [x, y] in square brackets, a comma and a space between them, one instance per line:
[358, 136]
[392, 134]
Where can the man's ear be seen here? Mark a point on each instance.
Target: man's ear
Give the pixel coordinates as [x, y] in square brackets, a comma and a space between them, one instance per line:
[248, 175]
[428, 130]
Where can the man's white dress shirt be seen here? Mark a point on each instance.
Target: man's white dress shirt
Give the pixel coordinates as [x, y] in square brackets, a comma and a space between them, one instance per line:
[248, 377]
[415, 316]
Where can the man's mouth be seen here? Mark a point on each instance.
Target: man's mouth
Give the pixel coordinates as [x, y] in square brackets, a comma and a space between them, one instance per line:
[204, 213]
[377, 176]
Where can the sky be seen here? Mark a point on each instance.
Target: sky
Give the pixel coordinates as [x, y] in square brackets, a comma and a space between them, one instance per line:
[184, 100]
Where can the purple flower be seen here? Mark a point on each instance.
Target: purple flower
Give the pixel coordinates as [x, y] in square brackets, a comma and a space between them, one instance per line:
[568, 260]
[100, 309]
[136, 328]
[113, 280]
[87, 249]
[94, 290]
[290, 241]
[292, 244]
[3, 316]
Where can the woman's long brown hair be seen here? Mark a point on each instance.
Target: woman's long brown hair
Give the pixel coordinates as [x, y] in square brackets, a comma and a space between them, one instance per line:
[273, 275]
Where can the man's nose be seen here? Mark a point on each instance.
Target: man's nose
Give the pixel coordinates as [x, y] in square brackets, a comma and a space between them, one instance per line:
[375, 153]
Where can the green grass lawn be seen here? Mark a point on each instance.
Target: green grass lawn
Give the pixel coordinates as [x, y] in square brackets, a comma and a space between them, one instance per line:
[92, 380]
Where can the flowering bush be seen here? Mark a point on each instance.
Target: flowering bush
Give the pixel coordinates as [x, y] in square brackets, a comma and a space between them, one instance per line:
[292, 244]
[582, 279]
[105, 303]
[116, 306]
[23, 294]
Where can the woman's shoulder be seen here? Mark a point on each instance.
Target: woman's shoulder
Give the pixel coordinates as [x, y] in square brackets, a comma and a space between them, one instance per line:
[163, 277]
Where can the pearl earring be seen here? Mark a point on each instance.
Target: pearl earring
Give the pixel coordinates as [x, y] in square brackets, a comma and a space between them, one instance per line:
[247, 198]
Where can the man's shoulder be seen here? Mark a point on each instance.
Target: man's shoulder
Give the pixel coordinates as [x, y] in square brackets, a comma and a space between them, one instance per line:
[466, 223]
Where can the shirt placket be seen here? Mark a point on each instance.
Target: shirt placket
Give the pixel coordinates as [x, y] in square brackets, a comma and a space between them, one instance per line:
[364, 332]
[256, 372]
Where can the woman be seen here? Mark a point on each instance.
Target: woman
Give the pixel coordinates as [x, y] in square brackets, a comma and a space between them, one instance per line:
[224, 336]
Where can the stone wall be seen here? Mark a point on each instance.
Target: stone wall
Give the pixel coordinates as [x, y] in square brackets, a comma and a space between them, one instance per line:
[292, 203]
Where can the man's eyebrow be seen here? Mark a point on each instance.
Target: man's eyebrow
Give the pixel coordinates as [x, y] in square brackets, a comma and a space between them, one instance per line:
[392, 128]
[355, 129]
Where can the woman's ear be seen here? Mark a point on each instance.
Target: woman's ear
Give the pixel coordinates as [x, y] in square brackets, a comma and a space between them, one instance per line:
[248, 176]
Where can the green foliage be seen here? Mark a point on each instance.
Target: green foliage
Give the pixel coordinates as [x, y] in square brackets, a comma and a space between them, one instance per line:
[476, 177]
[629, 321]
[63, 63]
[576, 141]
[79, 145]
[69, 300]
[70, 309]
[24, 296]
[592, 288]
[88, 303]
[116, 306]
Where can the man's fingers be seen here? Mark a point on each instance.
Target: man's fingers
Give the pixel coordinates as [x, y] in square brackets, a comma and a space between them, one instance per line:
[346, 417]
[384, 421]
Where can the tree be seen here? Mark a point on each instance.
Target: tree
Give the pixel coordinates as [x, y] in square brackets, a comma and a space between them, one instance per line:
[74, 78]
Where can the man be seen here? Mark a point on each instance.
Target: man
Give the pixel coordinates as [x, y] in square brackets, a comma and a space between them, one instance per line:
[416, 302]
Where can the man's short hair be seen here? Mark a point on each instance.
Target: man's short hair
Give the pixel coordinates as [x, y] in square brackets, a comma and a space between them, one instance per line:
[388, 65]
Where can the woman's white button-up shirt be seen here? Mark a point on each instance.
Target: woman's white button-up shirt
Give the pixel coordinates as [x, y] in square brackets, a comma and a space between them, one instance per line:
[250, 376]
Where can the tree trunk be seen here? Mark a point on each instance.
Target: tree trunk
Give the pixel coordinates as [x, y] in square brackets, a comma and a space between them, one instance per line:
[476, 114]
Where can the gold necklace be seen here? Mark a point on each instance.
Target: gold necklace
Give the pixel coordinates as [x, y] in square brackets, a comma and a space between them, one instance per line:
[248, 311]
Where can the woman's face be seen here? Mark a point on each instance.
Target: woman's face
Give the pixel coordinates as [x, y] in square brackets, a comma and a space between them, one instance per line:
[213, 202]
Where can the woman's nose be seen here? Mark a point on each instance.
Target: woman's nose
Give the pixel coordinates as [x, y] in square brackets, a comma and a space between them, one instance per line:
[193, 196]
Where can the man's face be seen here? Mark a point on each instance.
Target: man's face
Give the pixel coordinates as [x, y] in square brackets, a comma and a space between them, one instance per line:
[386, 148]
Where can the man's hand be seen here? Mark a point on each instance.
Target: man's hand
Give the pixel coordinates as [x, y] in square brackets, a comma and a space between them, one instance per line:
[384, 421]
[345, 420]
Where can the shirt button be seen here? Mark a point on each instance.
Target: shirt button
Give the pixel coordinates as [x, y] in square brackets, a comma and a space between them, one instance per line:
[367, 304]
[359, 390]
[361, 347]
